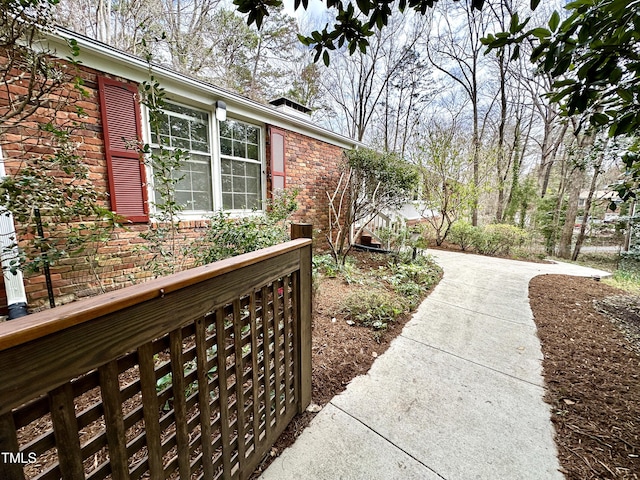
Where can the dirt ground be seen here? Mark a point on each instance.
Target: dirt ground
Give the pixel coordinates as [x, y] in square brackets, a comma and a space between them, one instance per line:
[591, 365]
[590, 335]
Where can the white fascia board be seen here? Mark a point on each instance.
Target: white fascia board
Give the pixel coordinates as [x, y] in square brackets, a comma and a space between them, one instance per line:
[107, 59]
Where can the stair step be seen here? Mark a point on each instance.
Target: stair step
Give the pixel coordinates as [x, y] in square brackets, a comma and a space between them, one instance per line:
[366, 239]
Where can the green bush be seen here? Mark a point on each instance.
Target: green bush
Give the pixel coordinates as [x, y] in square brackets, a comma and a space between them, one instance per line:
[226, 236]
[325, 265]
[423, 274]
[630, 261]
[373, 309]
[499, 239]
[463, 234]
[411, 280]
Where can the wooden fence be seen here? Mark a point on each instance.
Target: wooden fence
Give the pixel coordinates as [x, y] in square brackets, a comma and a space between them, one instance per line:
[194, 375]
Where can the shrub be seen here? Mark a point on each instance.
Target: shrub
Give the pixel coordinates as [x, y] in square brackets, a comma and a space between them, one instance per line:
[412, 280]
[499, 239]
[462, 234]
[373, 309]
[630, 261]
[325, 265]
[226, 237]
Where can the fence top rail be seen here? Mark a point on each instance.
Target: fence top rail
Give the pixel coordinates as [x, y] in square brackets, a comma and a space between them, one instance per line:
[31, 327]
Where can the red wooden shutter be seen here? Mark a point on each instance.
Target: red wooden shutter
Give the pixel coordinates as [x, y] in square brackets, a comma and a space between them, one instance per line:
[278, 170]
[121, 127]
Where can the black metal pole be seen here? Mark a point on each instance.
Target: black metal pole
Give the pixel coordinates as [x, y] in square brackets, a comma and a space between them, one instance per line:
[45, 260]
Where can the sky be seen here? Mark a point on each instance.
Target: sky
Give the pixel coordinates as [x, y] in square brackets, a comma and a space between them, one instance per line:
[314, 18]
[316, 7]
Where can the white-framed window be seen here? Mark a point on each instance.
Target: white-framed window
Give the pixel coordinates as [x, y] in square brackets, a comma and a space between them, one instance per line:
[240, 165]
[188, 129]
[225, 171]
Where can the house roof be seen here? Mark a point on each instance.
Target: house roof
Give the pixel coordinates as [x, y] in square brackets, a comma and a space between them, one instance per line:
[108, 59]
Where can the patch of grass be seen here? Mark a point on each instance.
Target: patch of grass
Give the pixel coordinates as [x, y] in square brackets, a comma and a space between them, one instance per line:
[625, 280]
[601, 260]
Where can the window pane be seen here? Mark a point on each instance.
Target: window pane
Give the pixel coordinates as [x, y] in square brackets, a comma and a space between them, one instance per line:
[182, 143]
[199, 132]
[226, 166]
[200, 181]
[253, 203]
[238, 168]
[184, 199]
[252, 151]
[179, 127]
[239, 149]
[253, 170]
[202, 201]
[200, 146]
[226, 183]
[240, 202]
[253, 185]
[225, 146]
[227, 201]
[239, 185]
[239, 131]
[225, 129]
[252, 134]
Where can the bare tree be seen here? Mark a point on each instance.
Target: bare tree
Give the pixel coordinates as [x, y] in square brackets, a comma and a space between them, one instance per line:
[357, 84]
[457, 52]
[442, 160]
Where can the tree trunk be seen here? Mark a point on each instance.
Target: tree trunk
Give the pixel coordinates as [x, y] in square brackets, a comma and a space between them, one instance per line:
[587, 209]
[564, 249]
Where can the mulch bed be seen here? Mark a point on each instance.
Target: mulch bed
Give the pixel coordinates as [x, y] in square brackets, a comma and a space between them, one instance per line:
[592, 372]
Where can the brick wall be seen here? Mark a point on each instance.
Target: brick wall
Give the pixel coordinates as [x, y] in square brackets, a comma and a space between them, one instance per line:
[311, 165]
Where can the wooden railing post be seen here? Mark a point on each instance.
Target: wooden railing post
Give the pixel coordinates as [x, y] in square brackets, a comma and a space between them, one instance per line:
[301, 230]
[304, 230]
[9, 446]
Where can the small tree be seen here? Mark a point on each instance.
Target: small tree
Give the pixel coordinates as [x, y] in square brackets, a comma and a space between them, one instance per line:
[47, 187]
[443, 164]
[370, 183]
[170, 251]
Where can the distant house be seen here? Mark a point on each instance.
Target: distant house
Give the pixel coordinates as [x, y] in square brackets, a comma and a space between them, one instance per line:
[602, 198]
[240, 150]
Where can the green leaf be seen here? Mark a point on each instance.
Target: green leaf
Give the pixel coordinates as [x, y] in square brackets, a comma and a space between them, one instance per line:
[325, 58]
[625, 94]
[554, 21]
[364, 6]
[515, 22]
[599, 118]
[540, 33]
[516, 53]
[534, 4]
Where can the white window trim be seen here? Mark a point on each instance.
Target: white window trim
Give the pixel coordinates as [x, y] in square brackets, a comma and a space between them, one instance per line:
[262, 160]
[216, 173]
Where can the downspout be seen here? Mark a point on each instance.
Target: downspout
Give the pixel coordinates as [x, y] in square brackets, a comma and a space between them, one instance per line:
[14, 284]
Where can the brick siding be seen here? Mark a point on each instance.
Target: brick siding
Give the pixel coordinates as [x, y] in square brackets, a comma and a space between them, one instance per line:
[312, 166]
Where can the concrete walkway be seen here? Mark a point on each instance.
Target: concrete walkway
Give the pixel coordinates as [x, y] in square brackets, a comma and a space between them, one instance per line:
[457, 396]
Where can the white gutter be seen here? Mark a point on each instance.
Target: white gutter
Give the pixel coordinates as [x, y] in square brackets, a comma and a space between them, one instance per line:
[14, 284]
[105, 58]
